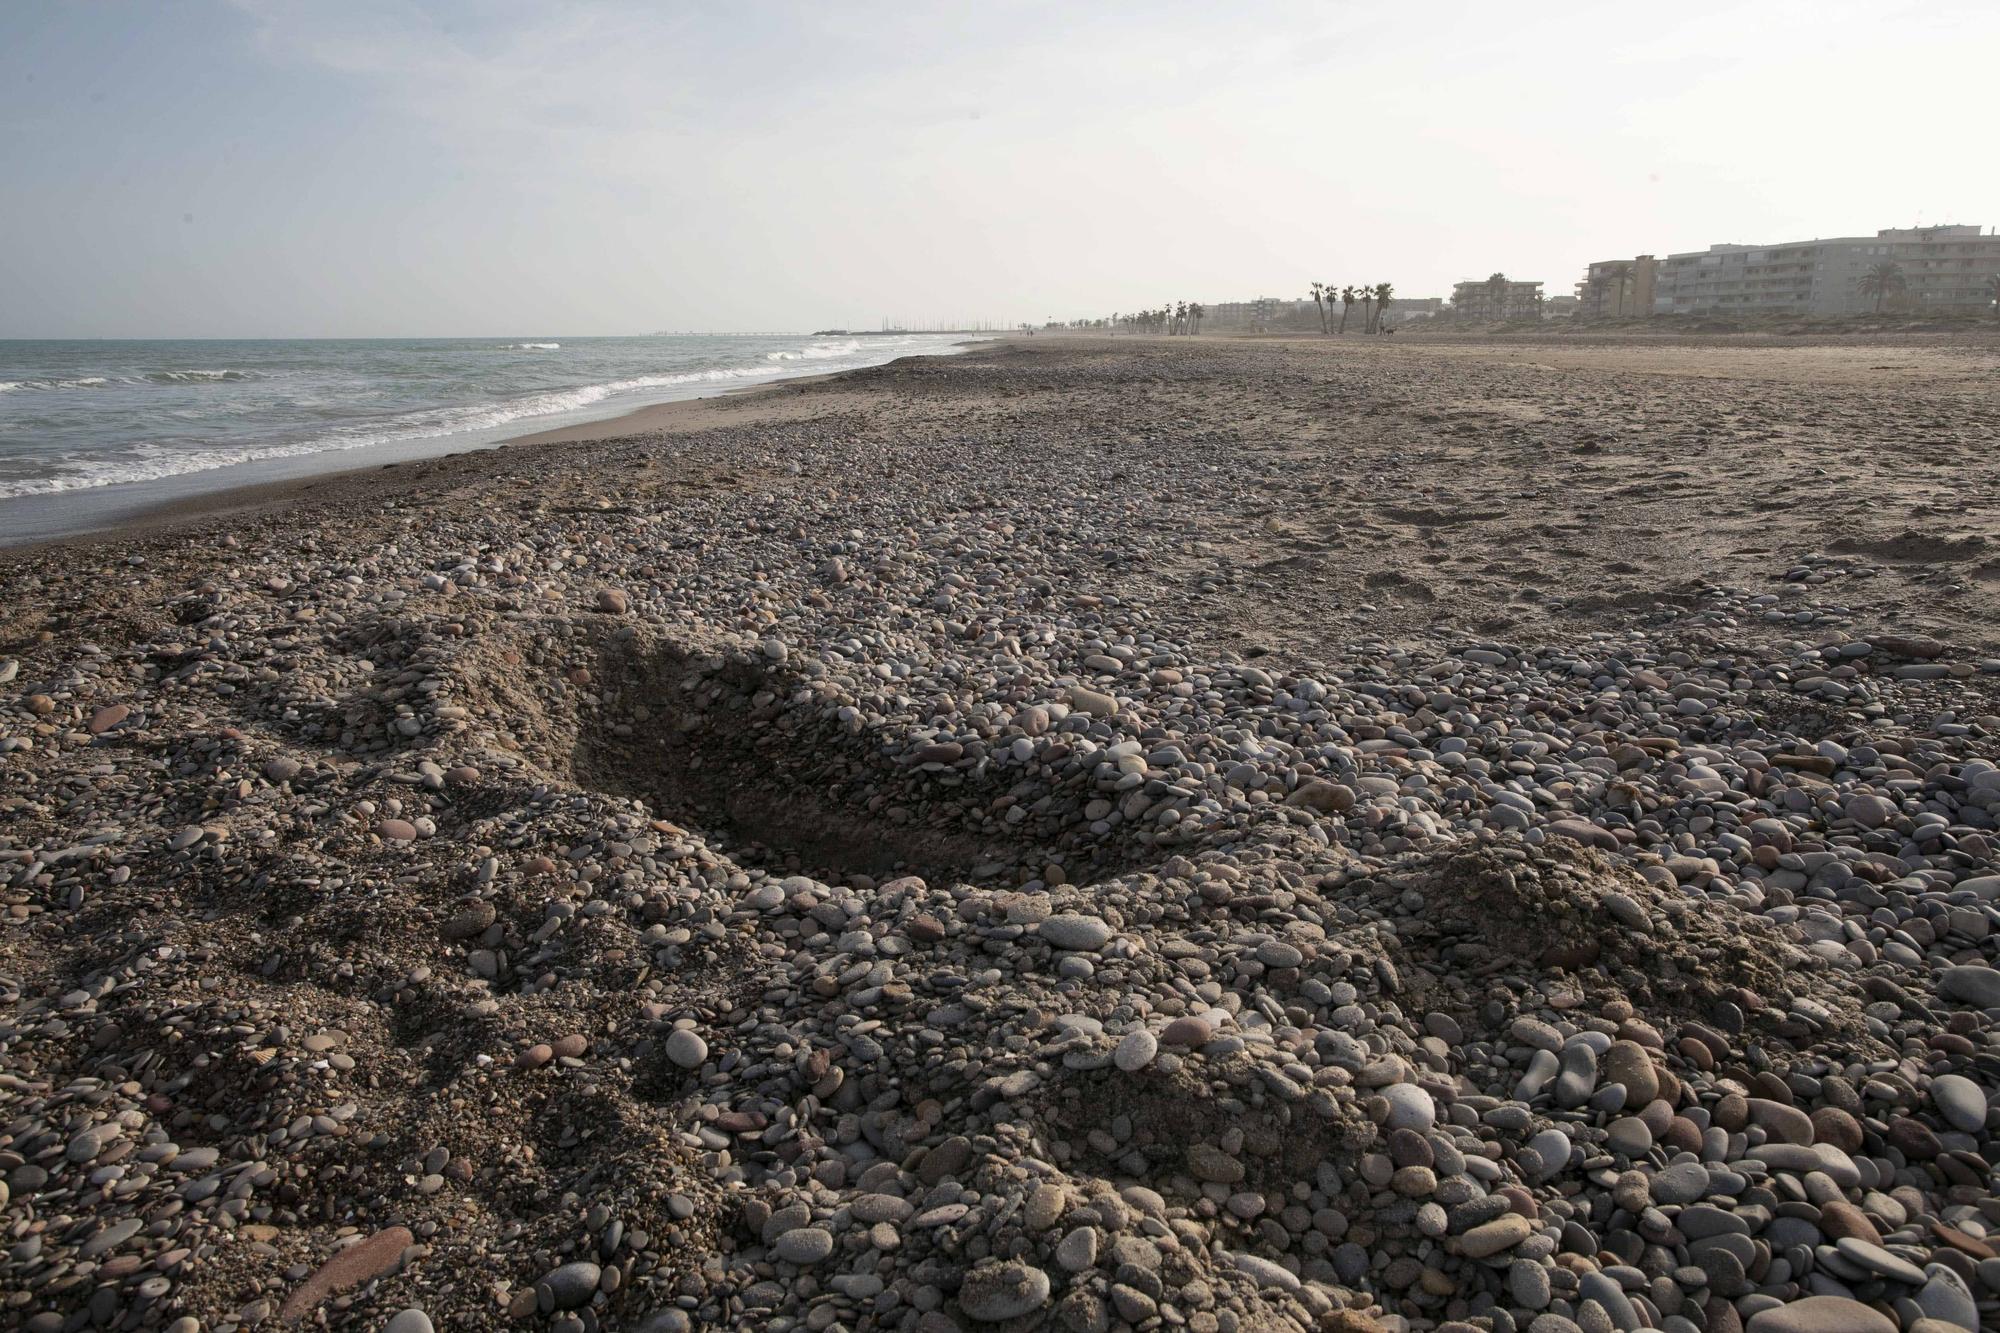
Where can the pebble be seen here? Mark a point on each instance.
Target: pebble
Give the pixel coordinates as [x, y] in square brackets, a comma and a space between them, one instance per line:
[1878, 1260]
[1973, 984]
[1135, 1051]
[1079, 944]
[805, 1245]
[1489, 1238]
[686, 1048]
[1821, 1314]
[1410, 1107]
[1070, 931]
[996, 1292]
[1960, 1101]
[569, 1286]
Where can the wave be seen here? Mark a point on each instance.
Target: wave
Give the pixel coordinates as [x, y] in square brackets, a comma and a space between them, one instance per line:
[149, 377]
[199, 376]
[530, 347]
[817, 352]
[54, 382]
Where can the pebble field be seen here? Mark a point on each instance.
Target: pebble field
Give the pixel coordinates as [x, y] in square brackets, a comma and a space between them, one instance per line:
[1079, 835]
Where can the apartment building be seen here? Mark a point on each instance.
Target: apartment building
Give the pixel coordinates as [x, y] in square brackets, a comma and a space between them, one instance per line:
[1263, 315]
[1942, 270]
[1496, 298]
[1409, 309]
[1618, 288]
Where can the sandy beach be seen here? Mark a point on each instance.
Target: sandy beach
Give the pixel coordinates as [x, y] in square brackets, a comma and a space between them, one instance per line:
[1224, 834]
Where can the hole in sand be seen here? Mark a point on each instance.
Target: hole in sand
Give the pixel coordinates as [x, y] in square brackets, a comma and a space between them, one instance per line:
[749, 757]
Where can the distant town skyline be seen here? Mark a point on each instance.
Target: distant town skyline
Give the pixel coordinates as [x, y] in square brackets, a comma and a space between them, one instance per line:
[259, 168]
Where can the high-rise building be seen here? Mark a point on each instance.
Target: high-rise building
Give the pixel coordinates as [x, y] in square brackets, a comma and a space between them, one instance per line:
[1923, 270]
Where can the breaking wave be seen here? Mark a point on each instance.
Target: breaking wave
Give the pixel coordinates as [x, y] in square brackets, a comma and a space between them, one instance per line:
[198, 376]
[817, 352]
[147, 377]
[82, 382]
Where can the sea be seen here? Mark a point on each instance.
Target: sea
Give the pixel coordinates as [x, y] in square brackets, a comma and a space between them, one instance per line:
[164, 419]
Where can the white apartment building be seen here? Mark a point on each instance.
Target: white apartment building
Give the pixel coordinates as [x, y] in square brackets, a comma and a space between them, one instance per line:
[1944, 270]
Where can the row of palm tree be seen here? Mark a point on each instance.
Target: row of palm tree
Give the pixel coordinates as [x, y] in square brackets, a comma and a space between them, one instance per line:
[1182, 318]
[1374, 302]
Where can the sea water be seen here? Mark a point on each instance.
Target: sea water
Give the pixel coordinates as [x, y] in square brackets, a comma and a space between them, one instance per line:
[81, 415]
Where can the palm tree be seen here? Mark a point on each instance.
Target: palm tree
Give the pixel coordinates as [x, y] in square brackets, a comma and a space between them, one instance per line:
[1384, 292]
[1882, 281]
[1318, 304]
[1346, 305]
[1993, 293]
[1194, 313]
[1496, 295]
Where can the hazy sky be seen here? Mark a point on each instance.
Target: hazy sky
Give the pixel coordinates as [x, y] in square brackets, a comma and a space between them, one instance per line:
[370, 167]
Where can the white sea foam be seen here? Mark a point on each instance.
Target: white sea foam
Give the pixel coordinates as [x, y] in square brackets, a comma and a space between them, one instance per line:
[817, 352]
[531, 347]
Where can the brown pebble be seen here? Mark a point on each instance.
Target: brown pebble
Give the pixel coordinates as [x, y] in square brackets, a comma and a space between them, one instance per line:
[1719, 1316]
[353, 1266]
[107, 717]
[1831, 1125]
[1912, 1138]
[1840, 1220]
[1963, 1243]
[1681, 1133]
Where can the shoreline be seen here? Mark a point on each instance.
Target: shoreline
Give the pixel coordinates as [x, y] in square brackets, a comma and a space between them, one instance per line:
[260, 498]
[132, 508]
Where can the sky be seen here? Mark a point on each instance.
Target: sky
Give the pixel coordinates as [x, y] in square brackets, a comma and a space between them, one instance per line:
[356, 168]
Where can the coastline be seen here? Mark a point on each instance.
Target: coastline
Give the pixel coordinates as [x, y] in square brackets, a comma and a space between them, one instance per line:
[156, 515]
[129, 508]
